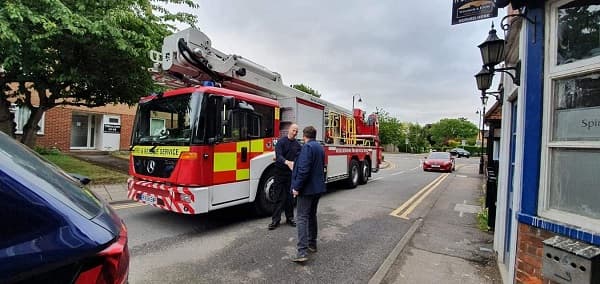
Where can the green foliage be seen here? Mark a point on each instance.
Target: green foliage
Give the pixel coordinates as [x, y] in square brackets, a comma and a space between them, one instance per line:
[482, 216]
[83, 53]
[306, 89]
[417, 138]
[448, 129]
[390, 129]
[46, 151]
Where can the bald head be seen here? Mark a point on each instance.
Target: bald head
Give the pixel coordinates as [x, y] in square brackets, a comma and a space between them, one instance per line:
[293, 131]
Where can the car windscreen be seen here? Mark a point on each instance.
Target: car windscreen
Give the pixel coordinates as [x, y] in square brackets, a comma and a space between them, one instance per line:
[29, 166]
[439, 155]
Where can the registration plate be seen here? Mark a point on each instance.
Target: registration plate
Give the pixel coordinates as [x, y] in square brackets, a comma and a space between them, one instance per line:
[148, 198]
[435, 166]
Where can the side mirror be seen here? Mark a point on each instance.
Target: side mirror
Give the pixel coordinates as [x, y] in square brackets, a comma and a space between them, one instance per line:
[82, 179]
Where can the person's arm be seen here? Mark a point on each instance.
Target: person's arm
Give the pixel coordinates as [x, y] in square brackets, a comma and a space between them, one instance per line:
[279, 151]
[302, 169]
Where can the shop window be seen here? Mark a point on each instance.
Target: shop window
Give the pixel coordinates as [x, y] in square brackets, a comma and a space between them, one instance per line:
[569, 191]
[22, 114]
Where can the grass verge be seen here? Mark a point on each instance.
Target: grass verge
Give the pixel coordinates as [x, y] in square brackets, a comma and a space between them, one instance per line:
[97, 174]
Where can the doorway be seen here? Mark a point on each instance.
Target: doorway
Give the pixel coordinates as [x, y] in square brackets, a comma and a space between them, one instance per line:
[83, 131]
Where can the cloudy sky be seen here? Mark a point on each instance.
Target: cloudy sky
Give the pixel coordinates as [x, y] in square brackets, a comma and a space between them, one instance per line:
[400, 56]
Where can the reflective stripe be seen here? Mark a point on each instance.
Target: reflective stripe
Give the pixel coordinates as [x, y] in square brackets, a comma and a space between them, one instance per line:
[242, 174]
[225, 162]
[257, 146]
[276, 113]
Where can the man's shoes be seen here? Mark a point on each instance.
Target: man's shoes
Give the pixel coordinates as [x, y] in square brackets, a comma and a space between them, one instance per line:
[299, 258]
[273, 225]
[291, 222]
[312, 249]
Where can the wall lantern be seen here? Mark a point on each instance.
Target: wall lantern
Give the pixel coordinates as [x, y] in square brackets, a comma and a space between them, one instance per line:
[492, 54]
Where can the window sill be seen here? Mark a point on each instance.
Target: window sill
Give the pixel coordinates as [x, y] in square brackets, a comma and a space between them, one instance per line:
[560, 228]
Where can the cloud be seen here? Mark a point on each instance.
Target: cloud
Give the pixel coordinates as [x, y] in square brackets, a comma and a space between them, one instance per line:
[402, 56]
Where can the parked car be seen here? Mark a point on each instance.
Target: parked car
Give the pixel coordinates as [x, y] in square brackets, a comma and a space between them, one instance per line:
[53, 229]
[460, 152]
[439, 161]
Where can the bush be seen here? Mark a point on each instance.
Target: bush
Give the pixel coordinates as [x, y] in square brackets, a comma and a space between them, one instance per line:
[46, 151]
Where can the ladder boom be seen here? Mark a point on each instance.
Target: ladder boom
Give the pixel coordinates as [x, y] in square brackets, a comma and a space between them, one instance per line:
[188, 55]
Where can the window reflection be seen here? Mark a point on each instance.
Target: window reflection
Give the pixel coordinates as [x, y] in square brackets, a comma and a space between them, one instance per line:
[578, 31]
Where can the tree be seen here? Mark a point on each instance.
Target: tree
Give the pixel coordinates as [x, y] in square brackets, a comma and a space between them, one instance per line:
[448, 129]
[306, 89]
[390, 129]
[417, 137]
[79, 53]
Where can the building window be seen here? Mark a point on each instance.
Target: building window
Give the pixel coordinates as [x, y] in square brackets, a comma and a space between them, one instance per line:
[22, 114]
[569, 182]
[578, 35]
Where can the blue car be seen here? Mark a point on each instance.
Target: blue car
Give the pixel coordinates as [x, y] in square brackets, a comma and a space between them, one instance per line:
[52, 228]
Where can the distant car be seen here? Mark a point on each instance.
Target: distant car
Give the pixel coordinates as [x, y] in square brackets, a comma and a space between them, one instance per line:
[53, 229]
[439, 161]
[460, 152]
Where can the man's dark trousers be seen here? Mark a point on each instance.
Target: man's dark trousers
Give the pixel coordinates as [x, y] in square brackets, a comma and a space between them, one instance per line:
[283, 179]
[306, 220]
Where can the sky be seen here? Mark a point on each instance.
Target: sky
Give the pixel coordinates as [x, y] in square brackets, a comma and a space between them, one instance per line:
[404, 57]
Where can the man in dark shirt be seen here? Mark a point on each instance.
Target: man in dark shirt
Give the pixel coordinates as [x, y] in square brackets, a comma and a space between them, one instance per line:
[308, 183]
[286, 151]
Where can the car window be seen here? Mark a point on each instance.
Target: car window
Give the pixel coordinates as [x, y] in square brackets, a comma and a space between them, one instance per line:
[439, 155]
[26, 165]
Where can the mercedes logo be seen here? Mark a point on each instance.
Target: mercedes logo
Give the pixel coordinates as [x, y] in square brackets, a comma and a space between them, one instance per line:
[151, 166]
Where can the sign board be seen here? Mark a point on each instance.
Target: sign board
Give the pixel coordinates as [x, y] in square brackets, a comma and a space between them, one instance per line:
[578, 124]
[112, 128]
[464, 11]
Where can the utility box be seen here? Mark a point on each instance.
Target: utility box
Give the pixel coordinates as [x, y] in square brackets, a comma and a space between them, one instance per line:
[569, 261]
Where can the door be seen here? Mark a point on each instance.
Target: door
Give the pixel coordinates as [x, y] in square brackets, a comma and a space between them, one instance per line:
[510, 186]
[83, 130]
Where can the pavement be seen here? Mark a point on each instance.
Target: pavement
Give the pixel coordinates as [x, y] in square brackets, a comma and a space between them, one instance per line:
[444, 245]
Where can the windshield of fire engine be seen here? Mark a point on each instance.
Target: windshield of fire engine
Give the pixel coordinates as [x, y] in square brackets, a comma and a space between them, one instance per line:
[168, 120]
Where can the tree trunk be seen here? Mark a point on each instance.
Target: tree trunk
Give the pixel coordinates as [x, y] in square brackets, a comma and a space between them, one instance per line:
[31, 127]
[7, 119]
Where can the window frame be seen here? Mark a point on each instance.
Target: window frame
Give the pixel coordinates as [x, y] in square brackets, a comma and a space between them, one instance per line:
[553, 73]
[17, 111]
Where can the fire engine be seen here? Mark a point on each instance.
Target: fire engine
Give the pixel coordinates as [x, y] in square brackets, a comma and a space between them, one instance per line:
[208, 142]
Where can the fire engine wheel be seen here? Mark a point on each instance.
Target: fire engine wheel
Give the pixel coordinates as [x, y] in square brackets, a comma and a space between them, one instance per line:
[365, 170]
[265, 200]
[353, 174]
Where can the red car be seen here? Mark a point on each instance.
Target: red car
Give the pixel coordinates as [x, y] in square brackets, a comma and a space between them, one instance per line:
[439, 161]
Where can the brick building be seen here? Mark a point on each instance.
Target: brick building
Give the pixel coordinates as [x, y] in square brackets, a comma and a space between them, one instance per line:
[70, 128]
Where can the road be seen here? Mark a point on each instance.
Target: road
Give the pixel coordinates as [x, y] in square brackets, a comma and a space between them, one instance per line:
[358, 228]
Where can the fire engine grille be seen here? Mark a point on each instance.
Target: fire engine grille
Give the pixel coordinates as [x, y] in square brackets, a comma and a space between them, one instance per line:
[156, 167]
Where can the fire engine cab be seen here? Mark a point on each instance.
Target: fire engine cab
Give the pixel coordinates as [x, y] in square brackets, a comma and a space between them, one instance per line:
[209, 142]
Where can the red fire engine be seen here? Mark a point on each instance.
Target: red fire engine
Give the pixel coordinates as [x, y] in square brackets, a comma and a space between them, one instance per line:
[209, 144]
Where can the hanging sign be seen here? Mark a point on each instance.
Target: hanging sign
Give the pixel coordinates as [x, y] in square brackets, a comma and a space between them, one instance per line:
[464, 11]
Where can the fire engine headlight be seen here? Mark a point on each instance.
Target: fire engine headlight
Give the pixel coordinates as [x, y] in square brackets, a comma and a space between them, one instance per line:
[186, 198]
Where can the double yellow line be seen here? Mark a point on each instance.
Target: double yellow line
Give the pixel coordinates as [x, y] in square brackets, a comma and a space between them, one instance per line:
[405, 209]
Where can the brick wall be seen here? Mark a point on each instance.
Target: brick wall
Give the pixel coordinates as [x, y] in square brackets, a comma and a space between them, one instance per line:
[529, 255]
[57, 129]
[126, 129]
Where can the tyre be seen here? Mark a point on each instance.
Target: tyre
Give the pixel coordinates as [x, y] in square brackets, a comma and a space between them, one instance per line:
[364, 173]
[353, 174]
[264, 203]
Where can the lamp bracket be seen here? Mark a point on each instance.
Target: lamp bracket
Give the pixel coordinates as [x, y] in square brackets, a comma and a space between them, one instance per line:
[516, 78]
[498, 94]
[506, 25]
